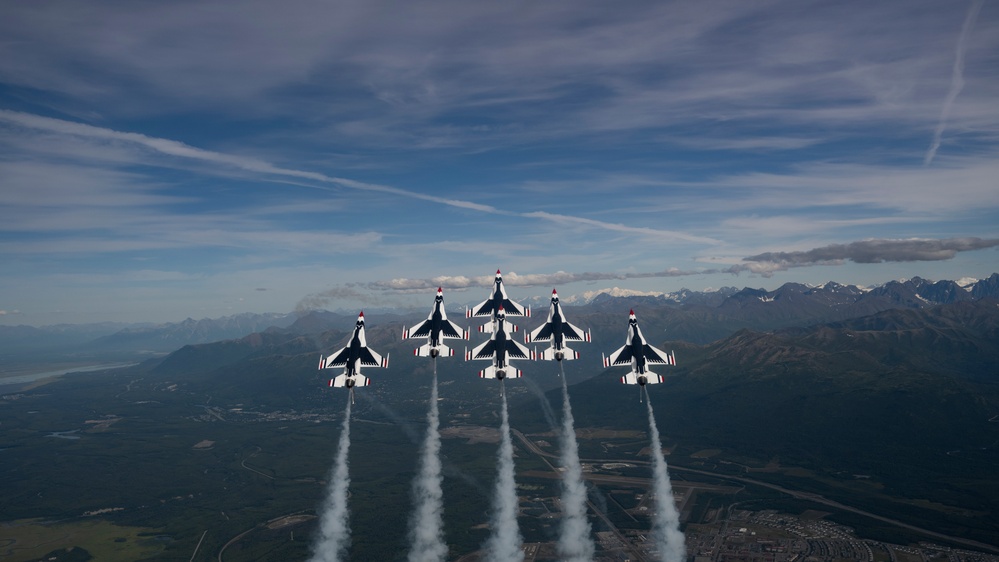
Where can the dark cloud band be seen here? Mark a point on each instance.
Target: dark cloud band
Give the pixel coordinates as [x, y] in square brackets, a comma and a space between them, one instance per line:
[879, 251]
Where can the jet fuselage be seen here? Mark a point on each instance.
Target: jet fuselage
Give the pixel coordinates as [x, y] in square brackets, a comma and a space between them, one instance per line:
[354, 350]
[500, 358]
[436, 322]
[637, 344]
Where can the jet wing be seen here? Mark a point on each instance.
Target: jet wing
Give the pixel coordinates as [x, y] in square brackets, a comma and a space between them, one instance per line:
[421, 330]
[657, 356]
[517, 350]
[620, 357]
[337, 359]
[485, 350]
[574, 333]
[542, 333]
[514, 309]
[451, 330]
[486, 308]
[448, 330]
[371, 359]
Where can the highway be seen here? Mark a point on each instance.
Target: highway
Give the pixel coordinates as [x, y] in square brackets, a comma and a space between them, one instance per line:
[531, 446]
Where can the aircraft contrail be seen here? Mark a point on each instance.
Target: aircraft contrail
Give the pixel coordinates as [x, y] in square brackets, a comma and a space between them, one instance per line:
[334, 524]
[666, 521]
[426, 524]
[956, 79]
[504, 545]
[574, 543]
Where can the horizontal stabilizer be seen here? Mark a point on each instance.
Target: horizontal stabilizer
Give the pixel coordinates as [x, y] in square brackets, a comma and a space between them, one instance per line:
[427, 350]
[551, 354]
[342, 381]
[490, 327]
[647, 378]
[507, 372]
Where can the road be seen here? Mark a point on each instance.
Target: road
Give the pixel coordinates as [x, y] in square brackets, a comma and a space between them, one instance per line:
[636, 553]
[531, 446]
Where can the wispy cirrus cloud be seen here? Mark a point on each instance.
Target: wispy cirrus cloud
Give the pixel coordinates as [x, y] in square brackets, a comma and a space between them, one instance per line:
[516, 280]
[180, 150]
[956, 81]
[639, 144]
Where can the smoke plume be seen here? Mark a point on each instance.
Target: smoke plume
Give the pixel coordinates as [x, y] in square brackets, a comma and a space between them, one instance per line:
[666, 521]
[426, 525]
[574, 543]
[504, 545]
[334, 524]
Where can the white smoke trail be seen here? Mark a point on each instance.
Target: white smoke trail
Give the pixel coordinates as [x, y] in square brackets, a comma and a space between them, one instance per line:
[666, 521]
[426, 524]
[956, 79]
[574, 543]
[504, 545]
[334, 524]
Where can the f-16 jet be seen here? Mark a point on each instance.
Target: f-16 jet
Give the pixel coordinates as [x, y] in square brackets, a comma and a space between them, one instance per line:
[352, 357]
[500, 348]
[639, 354]
[435, 328]
[497, 300]
[557, 331]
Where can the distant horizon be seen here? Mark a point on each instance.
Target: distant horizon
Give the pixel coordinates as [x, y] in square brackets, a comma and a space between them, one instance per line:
[418, 301]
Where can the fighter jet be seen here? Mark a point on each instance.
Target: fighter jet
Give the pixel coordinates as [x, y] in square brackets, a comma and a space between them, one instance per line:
[497, 299]
[556, 330]
[435, 328]
[352, 357]
[638, 354]
[499, 349]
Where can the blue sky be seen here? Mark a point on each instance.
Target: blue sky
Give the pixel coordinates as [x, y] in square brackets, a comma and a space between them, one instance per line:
[160, 160]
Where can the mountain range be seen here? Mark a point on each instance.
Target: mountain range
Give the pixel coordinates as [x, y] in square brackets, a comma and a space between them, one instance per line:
[883, 398]
[692, 316]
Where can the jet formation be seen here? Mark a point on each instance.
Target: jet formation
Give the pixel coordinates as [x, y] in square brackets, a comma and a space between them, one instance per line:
[500, 347]
[352, 357]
